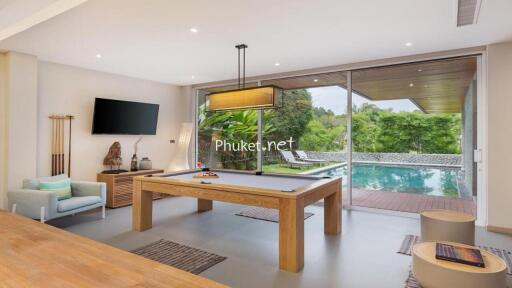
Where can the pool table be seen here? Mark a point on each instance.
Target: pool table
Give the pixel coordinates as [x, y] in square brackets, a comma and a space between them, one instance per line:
[288, 193]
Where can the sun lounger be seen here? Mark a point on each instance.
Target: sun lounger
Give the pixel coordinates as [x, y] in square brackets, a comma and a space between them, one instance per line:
[304, 157]
[290, 159]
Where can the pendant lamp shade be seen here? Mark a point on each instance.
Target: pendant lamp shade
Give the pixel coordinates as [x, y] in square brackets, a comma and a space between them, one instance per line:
[248, 98]
[244, 98]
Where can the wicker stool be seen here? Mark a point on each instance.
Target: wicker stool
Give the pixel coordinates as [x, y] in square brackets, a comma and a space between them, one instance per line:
[444, 225]
[433, 273]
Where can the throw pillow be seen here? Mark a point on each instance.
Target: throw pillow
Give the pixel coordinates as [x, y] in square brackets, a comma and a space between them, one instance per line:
[62, 187]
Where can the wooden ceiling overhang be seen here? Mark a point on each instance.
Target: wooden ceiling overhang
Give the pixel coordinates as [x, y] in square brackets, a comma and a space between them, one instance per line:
[435, 86]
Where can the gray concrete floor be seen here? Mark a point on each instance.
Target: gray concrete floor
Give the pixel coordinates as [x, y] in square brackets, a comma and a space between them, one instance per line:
[364, 255]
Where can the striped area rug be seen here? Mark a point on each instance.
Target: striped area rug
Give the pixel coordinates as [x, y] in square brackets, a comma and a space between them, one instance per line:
[266, 214]
[407, 244]
[506, 255]
[179, 256]
[411, 282]
[503, 254]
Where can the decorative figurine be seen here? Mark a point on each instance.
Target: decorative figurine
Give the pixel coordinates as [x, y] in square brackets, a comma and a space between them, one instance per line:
[113, 158]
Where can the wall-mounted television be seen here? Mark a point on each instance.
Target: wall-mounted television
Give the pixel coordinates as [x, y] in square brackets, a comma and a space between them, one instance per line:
[124, 117]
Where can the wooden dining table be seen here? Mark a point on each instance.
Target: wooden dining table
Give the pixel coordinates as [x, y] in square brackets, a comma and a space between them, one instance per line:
[33, 254]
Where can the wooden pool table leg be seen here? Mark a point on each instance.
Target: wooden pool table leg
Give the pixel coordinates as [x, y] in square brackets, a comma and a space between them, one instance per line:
[204, 205]
[332, 213]
[142, 209]
[291, 234]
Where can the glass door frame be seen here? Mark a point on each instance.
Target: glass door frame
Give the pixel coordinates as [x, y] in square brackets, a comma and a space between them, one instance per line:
[481, 121]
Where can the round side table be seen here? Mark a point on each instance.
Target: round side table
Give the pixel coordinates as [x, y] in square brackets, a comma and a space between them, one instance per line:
[433, 273]
[445, 225]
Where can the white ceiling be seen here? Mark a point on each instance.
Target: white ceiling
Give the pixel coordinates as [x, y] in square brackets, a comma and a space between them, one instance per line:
[19, 15]
[12, 11]
[151, 39]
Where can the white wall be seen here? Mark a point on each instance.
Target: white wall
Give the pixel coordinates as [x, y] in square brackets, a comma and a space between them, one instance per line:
[22, 117]
[499, 83]
[3, 130]
[69, 90]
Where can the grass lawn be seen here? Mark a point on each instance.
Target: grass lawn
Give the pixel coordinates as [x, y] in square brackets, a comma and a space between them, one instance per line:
[282, 168]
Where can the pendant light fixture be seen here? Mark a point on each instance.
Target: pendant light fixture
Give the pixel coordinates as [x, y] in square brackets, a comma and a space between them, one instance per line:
[262, 97]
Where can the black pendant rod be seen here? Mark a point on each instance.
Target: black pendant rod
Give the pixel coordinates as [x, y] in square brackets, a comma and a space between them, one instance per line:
[241, 47]
[244, 70]
[239, 68]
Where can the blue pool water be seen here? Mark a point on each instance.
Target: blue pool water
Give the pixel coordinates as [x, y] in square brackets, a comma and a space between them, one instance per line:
[409, 179]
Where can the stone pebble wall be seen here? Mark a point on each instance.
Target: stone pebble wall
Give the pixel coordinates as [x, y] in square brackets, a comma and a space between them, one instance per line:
[434, 159]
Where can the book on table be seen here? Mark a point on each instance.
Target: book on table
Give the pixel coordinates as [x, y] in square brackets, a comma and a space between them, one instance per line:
[458, 254]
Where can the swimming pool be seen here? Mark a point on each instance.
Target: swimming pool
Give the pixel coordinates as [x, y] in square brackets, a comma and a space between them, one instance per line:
[424, 180]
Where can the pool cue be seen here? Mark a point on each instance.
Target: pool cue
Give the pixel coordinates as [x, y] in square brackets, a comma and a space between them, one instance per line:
[53, 147]
[61, 146]
[69, 145]
[58, 147]
[59, 142]
[62, 122]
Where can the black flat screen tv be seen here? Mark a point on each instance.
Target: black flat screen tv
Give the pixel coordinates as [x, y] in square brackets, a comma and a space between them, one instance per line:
[124, 117]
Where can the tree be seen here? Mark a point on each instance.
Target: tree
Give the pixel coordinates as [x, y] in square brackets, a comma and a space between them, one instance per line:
[325, 132]
[320, 138]
[364, 133]
[292, 118]
[444, 134]
[407, 132]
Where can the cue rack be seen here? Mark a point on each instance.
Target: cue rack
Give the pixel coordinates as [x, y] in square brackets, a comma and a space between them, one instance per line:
[58, 143]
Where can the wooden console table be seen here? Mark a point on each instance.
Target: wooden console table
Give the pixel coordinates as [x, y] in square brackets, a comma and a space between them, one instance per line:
[120, 187]
[38, 255]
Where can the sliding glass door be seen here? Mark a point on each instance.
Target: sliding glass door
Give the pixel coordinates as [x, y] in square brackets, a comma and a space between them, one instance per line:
[413, 134]
[397, 135]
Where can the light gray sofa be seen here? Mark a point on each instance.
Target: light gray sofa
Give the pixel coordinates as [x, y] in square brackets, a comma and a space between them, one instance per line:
[36, 204]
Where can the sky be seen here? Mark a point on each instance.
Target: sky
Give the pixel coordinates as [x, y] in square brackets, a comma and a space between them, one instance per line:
[335, 98]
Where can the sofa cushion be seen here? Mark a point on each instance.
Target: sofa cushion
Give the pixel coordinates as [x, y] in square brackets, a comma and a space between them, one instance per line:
[62, 187]
[77, 202]
[33, 183]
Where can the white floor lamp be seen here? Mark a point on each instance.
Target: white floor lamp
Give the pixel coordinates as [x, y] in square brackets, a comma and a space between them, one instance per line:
[180, 159]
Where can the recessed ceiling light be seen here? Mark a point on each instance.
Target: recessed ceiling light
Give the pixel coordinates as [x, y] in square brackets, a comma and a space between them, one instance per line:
[316, 80]
[193, 77]
[408, 44]
[98, 56]
[419, 70]
[277, 64]
[194, 30]
[411, 84]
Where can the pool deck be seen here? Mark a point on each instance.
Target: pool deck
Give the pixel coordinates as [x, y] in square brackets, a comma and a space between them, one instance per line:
[407, 202]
